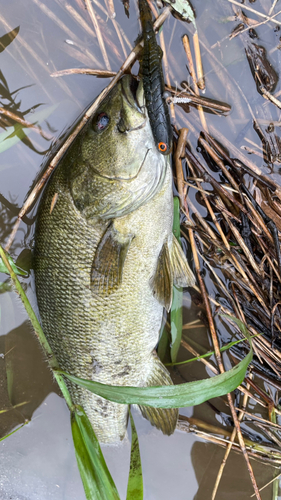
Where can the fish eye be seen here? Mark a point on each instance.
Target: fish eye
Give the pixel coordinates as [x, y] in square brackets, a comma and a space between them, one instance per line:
[162, 147]
[102, 121]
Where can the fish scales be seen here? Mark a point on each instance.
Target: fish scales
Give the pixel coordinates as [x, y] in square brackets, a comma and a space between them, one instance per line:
[102, 313]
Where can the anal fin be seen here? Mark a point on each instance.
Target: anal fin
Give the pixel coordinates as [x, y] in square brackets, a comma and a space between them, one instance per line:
[163, 419]
[107, 268]
[162, 281]
[182, 274]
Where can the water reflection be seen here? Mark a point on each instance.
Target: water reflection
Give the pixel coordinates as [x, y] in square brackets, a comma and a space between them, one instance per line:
[235, 482]
[26, 381]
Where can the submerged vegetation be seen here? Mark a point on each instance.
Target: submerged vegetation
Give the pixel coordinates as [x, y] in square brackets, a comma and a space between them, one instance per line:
[230, 229]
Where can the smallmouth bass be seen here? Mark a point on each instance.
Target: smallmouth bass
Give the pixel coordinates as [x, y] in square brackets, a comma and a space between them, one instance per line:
[105, 259]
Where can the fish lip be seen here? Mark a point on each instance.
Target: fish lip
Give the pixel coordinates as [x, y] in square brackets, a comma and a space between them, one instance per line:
[122, 178]
[129, 86]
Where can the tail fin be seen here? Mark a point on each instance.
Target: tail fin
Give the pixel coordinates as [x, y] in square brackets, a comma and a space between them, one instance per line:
[163, 419]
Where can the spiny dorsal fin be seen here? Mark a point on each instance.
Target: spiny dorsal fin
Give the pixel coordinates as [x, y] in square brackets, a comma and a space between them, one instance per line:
[162, 281]
[106, 274]
[163, 419]
[182, 274]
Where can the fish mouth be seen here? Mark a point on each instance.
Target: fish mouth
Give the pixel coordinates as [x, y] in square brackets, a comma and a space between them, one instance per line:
[120, 178]
[132, 90]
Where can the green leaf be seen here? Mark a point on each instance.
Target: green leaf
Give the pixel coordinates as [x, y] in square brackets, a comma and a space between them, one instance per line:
[135, 482]
[163, 345]
[176, 219]
[8, 139]
[176, 322]
[17, 270]
[171, 396]
[97, 481]
[176, 308]
[5, 40]
[184, 9]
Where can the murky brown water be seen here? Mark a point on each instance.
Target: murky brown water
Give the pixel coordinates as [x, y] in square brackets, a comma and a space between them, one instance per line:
[38, 462]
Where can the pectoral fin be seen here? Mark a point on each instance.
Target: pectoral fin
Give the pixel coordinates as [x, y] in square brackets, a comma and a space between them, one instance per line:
[107, 269]
[182, 274]
[162, 282]
[163, 419]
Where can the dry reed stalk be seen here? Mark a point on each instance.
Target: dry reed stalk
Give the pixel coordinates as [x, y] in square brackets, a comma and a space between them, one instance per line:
[229, 447]
[192, 98]
[272, 7]
[270, 434]
[271, 97]
[207, 363]
[259, 220]
[77, 17]
[260, 419]
[220, 363]
[24, 123]
[50, 14]
[219, 163]
[116, 25]
[238, 263]
[167, 72]
[111, 9]
[242, 245]
[255, 451]
[84, 71]
[252, 168]
[211, 212]
[203, 223]
[93, 16]
[198, 60]
[186, 46]
[187, 49]
[246, 7]
[178, 155]
[120, 35]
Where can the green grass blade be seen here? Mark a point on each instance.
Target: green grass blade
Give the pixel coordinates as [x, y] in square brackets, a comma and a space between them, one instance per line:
[208, 354]
[176, 308]
[135, 482]
[17, 270]
[96, 478]
[8, 139]
[13, 432]
[97, 481]
[174, 396]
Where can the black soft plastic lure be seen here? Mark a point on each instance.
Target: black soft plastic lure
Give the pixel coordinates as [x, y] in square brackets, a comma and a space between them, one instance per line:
[153, 83]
